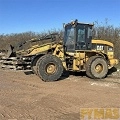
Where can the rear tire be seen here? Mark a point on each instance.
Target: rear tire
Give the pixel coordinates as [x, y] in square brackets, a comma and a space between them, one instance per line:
[49, 68]
[96, 67]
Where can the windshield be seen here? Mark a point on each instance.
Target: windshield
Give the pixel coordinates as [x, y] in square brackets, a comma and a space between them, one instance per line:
[69, 36]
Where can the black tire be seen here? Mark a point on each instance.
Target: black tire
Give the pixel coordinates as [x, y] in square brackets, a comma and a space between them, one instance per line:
[96, 67]
[44, 66]
[34, 64]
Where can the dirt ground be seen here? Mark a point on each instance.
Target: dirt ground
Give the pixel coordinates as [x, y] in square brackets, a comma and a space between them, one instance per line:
[23, 96]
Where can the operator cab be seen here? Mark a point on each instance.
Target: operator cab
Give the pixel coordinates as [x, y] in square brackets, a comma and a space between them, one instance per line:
[77, 36]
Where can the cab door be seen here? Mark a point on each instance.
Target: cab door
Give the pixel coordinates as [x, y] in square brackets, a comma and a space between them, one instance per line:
[83, 37]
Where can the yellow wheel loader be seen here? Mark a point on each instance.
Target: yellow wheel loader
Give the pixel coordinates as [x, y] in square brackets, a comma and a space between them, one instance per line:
[75, 52]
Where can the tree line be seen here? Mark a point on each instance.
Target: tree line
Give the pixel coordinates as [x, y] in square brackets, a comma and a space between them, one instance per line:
[103, 31]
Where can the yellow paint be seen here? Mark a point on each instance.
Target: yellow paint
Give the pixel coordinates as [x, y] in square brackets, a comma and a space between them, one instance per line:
[39, 49]
[99, 113]
[104, 42]
[113, 62]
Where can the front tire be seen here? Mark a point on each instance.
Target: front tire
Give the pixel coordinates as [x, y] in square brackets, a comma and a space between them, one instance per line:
[49, 68]
[96, 67]
[34, 65]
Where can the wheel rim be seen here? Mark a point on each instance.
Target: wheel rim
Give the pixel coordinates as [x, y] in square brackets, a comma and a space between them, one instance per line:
[99, 68]
[51, 68]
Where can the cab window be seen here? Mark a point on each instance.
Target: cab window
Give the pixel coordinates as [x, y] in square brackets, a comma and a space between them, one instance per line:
[81, 34]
